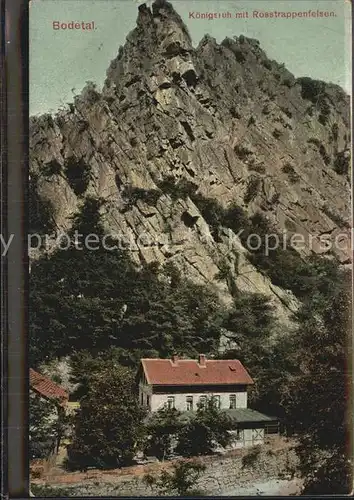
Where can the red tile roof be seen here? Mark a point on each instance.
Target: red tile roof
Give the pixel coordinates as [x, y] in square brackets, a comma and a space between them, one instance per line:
[47, 388]
[190, 372]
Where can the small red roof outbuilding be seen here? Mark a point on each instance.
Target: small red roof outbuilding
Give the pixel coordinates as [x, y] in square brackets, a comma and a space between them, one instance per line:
[46, 388]
[203, 371]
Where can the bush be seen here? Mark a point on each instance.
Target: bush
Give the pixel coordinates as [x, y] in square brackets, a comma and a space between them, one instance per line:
[161, 429]
[342, 163]
[108, 425]
[335, 217]
[267, 64]
[335, 130]
[252, 189]
[208, 428]
[43, 491]
[177, 189]
[46, 427]
[311, 89]
[325, 112]
[78, 174]
[290, 171]
[252, 456]
[181, 480]
[41, 219]
[51, 168]
[149, 196]
[90, 92]
[242, 152]
[326, 158]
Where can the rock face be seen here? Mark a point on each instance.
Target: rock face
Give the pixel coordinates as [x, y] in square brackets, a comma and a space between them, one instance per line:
[237, 125]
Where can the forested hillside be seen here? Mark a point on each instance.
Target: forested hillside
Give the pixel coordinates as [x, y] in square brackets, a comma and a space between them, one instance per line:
[186, 157]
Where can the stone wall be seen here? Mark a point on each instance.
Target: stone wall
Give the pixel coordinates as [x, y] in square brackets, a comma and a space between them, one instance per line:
[223, 474]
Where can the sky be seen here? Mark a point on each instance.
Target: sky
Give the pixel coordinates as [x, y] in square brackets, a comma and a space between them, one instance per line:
[62, 61]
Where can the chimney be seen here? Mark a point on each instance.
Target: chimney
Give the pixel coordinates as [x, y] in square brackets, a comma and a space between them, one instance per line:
[174, 360]
[202, 360]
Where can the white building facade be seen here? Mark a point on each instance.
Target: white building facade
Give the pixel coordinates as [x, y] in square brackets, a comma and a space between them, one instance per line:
[184, 384]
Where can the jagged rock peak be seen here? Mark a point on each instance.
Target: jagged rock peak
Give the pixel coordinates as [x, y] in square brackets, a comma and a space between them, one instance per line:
[159, 33]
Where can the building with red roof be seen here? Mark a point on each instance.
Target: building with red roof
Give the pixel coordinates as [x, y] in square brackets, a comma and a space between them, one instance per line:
[46, 388]
[184, 384]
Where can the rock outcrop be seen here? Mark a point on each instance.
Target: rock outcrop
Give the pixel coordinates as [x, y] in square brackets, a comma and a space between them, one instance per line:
[238, 126]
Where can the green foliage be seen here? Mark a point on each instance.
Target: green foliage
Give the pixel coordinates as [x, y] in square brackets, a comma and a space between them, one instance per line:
[252, 189]
[277, 133]
[109, 424]
[267, 64]
[321, 149]
[208, 428]
[316, 394]
[257, 167]
[325, 112]
[311, 89]
[235, 218]
[177, 188]
[90, 92]
[86, 365]
[288, 82]
[251, 121]
[149, 196]
[242, 152]
[251, 458]
[40, 211]
[181, 480]
[46, 426]
[251, 323]
[212, 212]
[285, 267]
[335, 131]
[290, 171]
[88, 220]
[44, 491]
[51, 168]
[342, 163]
[162, 428]
[97, 299]
[78, 174]
[251, 318]
[335, 217]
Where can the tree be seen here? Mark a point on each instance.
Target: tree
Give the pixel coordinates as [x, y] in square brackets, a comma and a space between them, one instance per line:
[251, 324]
[82, 299]
[109, 423]
[207, 429]
[316, 395]
[162, 428]
[46, 426]
[181, 480]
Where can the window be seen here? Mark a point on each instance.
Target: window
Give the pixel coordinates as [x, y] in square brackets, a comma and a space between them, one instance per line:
[232, 401]
[216, 400]
[142, 398]
[189, 403]
[170, 402]
[148, 401]
[202, 401]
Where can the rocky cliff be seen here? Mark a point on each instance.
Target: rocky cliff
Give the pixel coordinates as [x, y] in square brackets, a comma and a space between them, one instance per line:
[239, 127]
